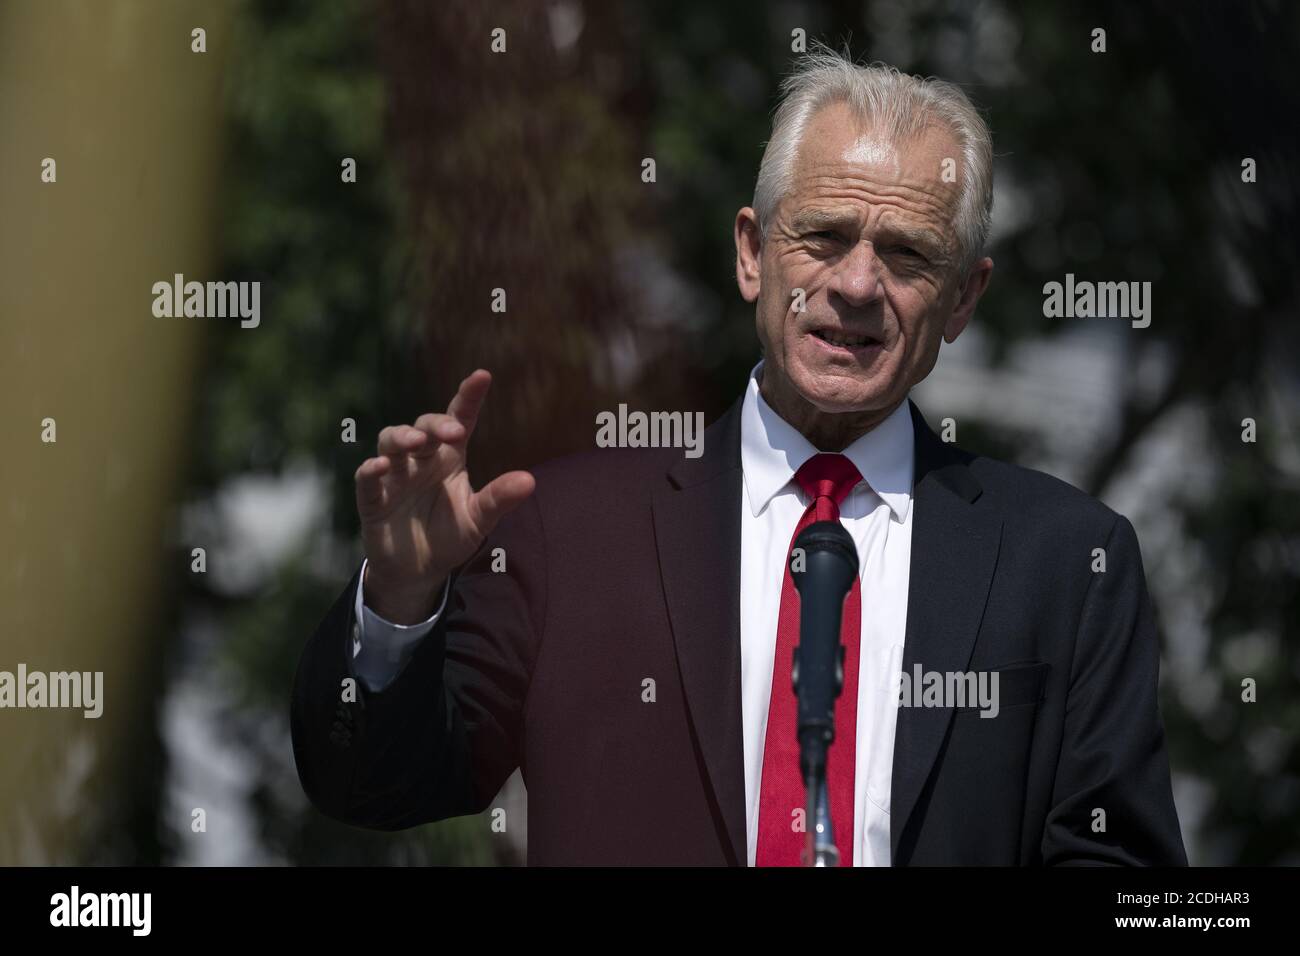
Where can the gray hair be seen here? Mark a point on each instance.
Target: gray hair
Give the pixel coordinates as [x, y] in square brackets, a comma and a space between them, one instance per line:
[899, 106]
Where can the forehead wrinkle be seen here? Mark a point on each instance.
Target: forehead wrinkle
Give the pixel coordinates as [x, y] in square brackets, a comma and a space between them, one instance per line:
[848, 172]
[877, 194]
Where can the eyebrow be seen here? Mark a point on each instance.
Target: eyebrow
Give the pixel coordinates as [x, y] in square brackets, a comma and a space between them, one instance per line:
[818, 219]
[927, 239]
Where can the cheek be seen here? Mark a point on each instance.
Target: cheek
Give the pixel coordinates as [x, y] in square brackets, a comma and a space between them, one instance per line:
[920, 320]
[790, 270]
[776, 313]
[772, 327]
[922, 352]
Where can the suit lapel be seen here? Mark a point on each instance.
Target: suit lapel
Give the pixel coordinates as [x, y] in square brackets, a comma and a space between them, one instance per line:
[697, 532]
[954, 550]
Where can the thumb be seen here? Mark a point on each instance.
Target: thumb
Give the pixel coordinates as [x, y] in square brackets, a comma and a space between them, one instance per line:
[499, 497]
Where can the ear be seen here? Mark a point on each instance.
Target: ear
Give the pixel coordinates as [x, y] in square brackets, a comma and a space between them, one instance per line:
[749, 247]
[977, 280]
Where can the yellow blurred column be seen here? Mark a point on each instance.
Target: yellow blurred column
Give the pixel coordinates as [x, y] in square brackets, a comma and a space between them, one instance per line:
[113, 93]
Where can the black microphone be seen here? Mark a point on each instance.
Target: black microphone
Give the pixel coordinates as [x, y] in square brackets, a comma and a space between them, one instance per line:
[823, 565]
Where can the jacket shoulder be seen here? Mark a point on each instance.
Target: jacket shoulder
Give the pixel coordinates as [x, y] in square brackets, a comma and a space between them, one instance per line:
[1040, 499]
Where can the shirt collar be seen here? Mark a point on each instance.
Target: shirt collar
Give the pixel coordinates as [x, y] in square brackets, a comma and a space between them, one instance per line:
[772, 450]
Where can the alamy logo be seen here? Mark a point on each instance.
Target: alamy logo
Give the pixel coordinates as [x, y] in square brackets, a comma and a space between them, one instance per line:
[213, 300]
[75, 908]
[948, 689]
[1103, 300]
[651, 430]
[57, 689]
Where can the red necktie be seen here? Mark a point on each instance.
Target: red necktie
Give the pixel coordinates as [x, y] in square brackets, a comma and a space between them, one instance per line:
[827, 479]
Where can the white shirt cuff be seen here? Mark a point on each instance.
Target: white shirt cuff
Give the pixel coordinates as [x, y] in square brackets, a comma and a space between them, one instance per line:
[380, 648]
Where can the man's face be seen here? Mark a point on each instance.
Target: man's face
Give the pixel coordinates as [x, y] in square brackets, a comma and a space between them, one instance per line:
[866, 231]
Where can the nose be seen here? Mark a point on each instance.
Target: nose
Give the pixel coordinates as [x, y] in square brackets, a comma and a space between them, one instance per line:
[858, 275]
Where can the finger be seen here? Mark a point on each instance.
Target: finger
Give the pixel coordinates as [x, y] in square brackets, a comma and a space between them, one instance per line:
[499, 497]
[442, 429]
[468, 400]
[400, 439]
[369, 479]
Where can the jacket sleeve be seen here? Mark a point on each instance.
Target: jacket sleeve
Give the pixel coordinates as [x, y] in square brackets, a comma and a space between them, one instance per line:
[443, 736]
[1112, 802]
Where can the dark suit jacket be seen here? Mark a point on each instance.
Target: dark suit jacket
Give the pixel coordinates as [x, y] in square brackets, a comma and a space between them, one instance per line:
[624, 565]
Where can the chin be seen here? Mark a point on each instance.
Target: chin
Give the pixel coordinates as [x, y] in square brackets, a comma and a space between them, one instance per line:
[838, 393]
[838, 387]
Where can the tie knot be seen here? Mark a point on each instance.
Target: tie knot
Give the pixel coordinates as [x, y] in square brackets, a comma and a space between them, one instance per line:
[829, 476]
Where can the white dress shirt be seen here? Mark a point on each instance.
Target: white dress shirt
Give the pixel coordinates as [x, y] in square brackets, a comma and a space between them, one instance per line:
[878, 515]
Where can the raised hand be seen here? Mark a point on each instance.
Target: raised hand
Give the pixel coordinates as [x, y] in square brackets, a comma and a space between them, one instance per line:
[420, 516]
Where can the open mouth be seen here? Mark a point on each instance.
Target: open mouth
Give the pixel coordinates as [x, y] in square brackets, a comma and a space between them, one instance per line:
[843, 340]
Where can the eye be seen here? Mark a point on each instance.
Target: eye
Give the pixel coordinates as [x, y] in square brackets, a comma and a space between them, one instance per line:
[826, 235]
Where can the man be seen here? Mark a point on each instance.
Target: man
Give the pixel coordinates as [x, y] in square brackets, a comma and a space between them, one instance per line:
[620, 624]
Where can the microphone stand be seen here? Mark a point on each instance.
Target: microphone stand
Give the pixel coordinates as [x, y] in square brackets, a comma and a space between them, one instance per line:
[818, 672]
[820, 849]
[815, 738]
